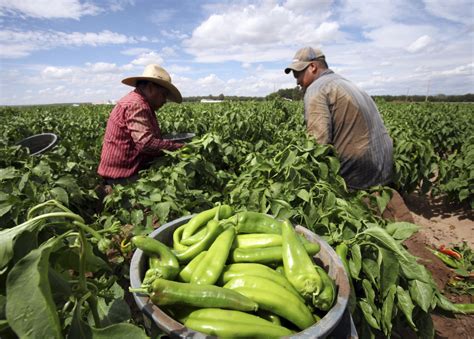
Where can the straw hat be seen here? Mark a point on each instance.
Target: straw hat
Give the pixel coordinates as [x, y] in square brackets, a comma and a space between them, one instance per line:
[158, 75]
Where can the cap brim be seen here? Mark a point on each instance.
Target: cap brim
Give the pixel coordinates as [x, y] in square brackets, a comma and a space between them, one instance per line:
[174, 94]
[297, 66]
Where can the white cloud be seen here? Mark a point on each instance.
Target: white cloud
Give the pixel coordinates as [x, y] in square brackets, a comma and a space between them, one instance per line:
[397, 35]
[304, 6]
[178, 69]
[136, 51]
[262, 32]
[370, 14]
[460, 70]
[161, 16]
[57, 72]
[48, 9]
[119, 5]
[102, 67]
[455, 10]
[420, 43]
[148, 58]
[16, 43]
[173, 34]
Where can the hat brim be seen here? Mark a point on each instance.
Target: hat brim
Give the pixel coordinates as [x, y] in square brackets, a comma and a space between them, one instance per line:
[174, 94]
[297, 66]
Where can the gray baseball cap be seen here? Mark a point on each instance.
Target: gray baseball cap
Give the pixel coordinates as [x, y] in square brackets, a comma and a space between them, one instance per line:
[303, 57]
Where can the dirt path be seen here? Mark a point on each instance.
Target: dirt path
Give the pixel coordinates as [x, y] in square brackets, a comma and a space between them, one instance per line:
[442, 224]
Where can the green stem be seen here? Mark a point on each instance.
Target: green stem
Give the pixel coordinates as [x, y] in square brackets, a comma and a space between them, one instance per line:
[48, 203]
[88, 229]
[82, 261]
[58, 215]
[465, 308]
[92, 301]
[141, 290]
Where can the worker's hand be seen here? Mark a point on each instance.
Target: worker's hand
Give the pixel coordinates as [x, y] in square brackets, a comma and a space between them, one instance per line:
[178, 145]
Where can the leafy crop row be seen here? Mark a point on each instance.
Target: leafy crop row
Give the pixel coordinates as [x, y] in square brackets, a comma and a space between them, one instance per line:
[253, 156]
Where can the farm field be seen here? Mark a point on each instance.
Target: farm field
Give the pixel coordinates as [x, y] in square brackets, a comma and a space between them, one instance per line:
[253, 156]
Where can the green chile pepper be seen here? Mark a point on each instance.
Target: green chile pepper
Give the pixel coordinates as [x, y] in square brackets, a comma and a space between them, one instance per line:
[259, 270]
[185, 274]
[210, 267]
[298, 265]
[178, 238]
[465, 308]
[341, 250]
[326, 298]
[255, 222]
[214, 229]
[267, 255]
[202, 218]
[448, 260]
[160, 254]
[152, 274]
[252, 240]
[272, 297]
[271, 317]
[167, 292]
[233, 324]
[195, 237]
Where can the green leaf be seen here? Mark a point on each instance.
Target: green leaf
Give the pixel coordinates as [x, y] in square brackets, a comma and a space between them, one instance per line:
[421, 293]
[78, 329]
[7, 173]
[402, 230]
[31, 311]
[119, 331]
[5, 208]
[425, 325]
[3, 304]
[371, 270]
[387, 310]
[60, 194]
[383, 200]
[113, 312]
[368, 313]
[405, 304]
[355, 262]
[8, 237]
[414, 271]
[136, 216]
[304, 195]
[162, 210]
[390, 269]
[384, 239]
[445, 304]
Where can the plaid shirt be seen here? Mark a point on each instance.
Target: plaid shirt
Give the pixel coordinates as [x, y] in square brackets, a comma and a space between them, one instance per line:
[340, 114]
[132, 138]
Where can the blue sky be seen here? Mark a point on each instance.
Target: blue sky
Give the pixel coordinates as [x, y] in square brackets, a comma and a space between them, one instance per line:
[54, 51]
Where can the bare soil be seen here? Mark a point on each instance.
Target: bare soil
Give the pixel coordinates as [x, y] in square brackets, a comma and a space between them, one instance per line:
[442, 223]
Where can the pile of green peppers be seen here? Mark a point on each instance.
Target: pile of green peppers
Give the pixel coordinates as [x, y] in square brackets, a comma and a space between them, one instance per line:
[237, 274]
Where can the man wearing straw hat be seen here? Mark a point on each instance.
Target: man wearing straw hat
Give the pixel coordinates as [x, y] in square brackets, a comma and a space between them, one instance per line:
[133, 136]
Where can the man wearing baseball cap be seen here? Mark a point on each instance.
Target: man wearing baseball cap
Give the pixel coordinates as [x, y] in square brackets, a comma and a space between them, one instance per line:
[133, 135]
[339, 113]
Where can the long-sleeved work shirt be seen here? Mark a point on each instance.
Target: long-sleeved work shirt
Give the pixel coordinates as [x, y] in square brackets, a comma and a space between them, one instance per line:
[338, 113]
[132, 138]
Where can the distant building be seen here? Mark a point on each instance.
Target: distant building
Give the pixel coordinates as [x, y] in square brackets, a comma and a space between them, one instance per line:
[211, 101]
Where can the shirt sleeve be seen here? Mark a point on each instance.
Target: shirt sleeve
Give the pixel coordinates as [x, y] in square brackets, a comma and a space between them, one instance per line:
[146, 136]
[318, 117]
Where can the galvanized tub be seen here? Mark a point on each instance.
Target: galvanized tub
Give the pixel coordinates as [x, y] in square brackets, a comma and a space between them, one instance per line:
[327, 258]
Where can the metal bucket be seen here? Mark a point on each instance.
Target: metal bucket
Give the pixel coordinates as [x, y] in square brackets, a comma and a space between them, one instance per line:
[39, 143]
[326, 258]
